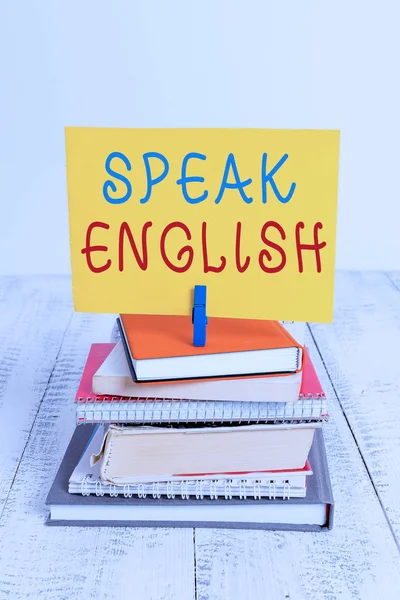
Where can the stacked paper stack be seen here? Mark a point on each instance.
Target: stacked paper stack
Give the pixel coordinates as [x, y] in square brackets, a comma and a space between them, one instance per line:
[229, 434]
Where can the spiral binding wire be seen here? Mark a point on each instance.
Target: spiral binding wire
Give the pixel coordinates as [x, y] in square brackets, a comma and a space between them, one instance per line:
[155, 411]
[212, 488]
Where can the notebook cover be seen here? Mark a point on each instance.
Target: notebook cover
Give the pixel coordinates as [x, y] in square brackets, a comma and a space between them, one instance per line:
[310, 385]
[164, 336]
[199, 351]
[97, 355]
[318, 491]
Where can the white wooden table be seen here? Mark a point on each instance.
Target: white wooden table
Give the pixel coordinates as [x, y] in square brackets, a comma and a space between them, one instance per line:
[43, 347]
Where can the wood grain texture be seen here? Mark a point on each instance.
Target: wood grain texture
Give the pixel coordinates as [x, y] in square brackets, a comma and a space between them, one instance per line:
[62, 563]
[361, 353]
[358, 559]
[394, 278]
[34, 314]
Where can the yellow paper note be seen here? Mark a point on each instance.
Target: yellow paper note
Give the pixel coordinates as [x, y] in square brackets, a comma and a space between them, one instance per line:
[250, 213]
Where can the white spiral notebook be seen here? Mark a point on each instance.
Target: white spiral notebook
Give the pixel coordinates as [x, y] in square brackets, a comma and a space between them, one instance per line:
[153, 411]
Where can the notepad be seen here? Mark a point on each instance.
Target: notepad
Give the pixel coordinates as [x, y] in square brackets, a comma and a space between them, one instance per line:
[160, 348]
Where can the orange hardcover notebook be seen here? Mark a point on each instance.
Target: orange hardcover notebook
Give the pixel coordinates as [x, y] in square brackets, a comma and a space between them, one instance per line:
[160, 348]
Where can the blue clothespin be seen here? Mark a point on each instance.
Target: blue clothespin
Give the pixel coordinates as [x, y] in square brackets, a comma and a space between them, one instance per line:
[199, 318]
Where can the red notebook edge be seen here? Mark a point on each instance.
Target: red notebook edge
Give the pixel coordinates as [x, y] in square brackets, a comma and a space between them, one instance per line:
[310, 383]
[303, 470]
[97, 355]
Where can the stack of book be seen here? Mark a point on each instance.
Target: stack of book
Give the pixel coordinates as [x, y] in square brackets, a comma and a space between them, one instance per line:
[226, 435]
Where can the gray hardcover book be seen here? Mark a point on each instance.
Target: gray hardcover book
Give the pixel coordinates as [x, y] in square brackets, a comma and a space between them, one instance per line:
[312, 513]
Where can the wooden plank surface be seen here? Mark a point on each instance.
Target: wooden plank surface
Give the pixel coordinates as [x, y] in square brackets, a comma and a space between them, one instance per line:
[361, 353]
[34, 314]
[357, 559]
[394, 277]
[61, 563]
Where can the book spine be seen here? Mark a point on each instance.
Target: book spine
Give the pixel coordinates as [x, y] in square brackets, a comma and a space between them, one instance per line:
[152, 411]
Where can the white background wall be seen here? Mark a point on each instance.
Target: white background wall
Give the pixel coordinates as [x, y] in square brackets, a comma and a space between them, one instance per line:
[166, 63]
